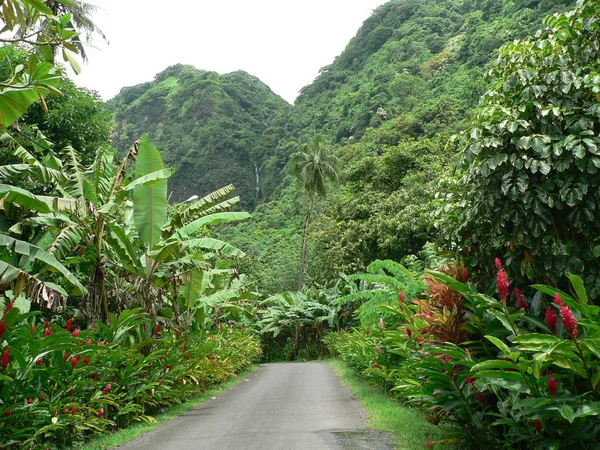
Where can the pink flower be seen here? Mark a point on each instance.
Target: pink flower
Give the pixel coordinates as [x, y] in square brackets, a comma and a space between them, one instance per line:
[521, 303]
[100, 412]
[498, 264]
[107, 389]
[47, 331]
[569, 321]
[5, 358]
[69, 324]
[401, 297]
[502, 284]
[76, 332]
[551, 318]
[557, 300]
[552, 386]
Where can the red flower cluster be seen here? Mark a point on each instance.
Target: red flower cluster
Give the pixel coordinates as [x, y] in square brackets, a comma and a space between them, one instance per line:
[5, 358]
[401, 297]
[2, 328]
[498, 264]
[69, 324]
[569, 321]
[107, 389]
[502, 284]
[552, 386]
[557, 300]
[74, 361]
[75, 332]
[409, 333]
[521, 303]
[551, 318]
[376, 364]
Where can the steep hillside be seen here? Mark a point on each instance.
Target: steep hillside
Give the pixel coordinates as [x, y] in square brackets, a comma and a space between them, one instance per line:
[410, 78]
[417, 65]
[205, 124]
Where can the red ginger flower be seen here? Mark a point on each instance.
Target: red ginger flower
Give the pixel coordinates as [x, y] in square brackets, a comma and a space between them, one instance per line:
[8, 307]
[537, 425]
[75, 332]
[552, 386]
[86, 360]
[551, 318]
[32, 329]
[157, 329]
[69, 325]
[8, 412]
[5, 358]
[502, 284]
[569, 321]
[401, 297]
[74, 361]
[100, 412]
[107, 389]
[368, 331]
[498, 263]
[2, 327]
[74, 410]
[557, 300]
[409, 333]
[40, 361]
[521, 303]
[30, 400]
[470, 380]
[47, 331]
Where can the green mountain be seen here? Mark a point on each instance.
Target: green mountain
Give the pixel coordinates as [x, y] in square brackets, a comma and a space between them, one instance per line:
[410, 78]
[205, 124]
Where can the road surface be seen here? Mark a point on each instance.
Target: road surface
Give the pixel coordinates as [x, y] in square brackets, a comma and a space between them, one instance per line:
[289, 406]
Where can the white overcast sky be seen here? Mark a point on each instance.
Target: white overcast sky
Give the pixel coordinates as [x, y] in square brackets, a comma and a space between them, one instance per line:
[283, 42]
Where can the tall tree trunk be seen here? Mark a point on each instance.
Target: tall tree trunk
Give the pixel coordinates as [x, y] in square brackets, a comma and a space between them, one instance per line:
[305, 243]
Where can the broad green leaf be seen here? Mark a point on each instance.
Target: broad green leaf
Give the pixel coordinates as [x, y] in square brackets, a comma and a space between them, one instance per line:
[498, 343]
[536, 339]
[14, 103]
[149, 202]
[215, 245]
[36, 253]
[192, 287]
[25, 199]
[577, 283]
[493, 364]
[567, 412]
[515, 376]
[213, 219]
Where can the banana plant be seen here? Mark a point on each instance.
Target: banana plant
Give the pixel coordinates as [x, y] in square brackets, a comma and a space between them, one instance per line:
[174, 256]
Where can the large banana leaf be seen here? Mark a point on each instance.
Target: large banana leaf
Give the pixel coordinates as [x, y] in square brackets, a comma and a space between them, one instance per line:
[33, 252]
[149, 202]
[225, 217]
[25, 199]
[193, 287]
[214, 244]
[48, 295]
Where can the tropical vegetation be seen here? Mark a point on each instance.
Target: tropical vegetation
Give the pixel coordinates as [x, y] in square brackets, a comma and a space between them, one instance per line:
[427, 212]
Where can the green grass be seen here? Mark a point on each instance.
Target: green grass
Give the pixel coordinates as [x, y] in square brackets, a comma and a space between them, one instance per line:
[410, 428]
[112, 440]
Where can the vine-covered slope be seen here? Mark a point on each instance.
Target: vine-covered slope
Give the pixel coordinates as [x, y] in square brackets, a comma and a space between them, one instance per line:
[205, 124]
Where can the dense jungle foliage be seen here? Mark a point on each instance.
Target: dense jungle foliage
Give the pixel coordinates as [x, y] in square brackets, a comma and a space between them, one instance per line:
[207, 126]
[427, 211]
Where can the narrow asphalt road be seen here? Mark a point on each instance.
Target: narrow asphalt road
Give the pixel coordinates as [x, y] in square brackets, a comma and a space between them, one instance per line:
[281, 406]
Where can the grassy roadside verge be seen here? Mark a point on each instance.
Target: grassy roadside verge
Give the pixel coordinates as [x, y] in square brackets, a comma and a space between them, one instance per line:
[410, 429]
[112, 440]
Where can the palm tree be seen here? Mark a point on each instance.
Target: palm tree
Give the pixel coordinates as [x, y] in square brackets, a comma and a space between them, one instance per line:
[314, 166]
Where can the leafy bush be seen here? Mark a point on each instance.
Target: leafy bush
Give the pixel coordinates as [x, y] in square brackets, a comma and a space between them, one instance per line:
[530, 187]
[59, 384]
